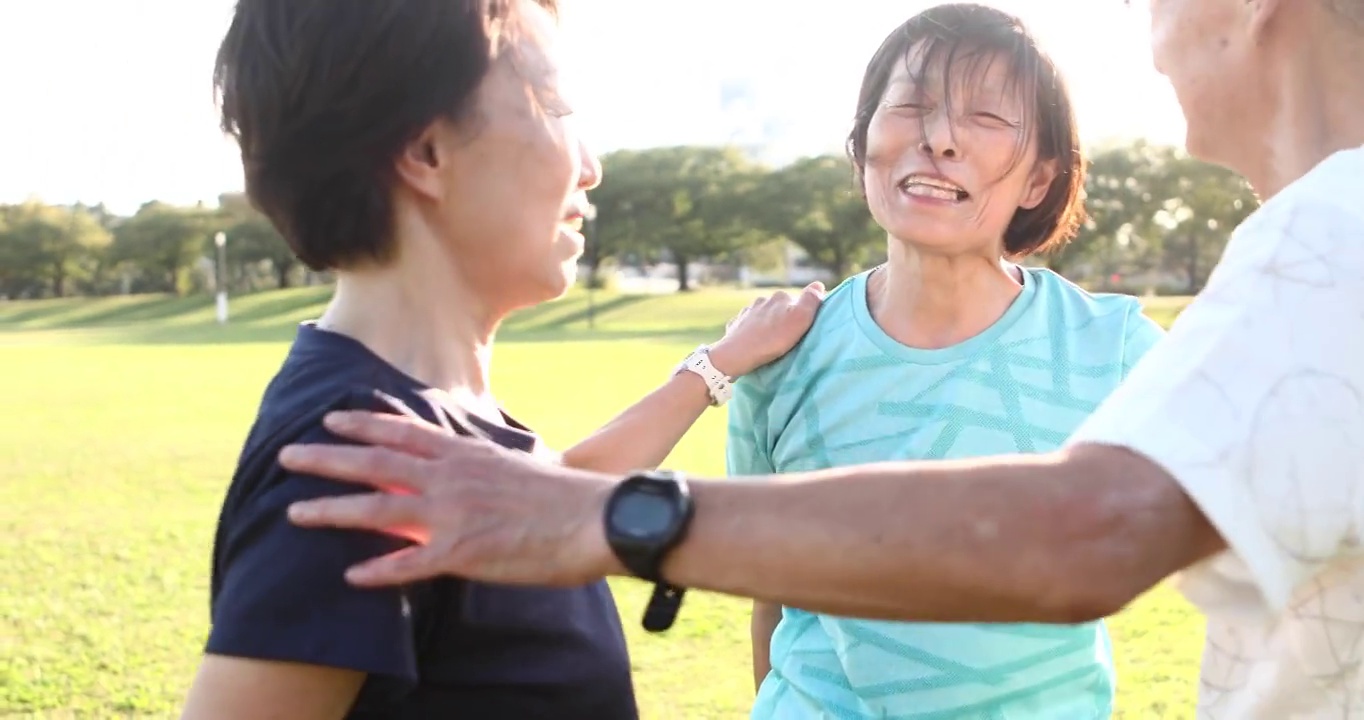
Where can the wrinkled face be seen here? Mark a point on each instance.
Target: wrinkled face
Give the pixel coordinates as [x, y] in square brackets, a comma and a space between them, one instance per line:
[511, 182]
[949, 160]
[1207, 50]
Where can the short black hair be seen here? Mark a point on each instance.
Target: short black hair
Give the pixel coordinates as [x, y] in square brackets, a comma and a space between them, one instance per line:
[977, 34]
[322, 96]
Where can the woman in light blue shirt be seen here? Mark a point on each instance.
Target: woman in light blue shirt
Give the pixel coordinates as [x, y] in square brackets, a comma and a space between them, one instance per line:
[967, 152]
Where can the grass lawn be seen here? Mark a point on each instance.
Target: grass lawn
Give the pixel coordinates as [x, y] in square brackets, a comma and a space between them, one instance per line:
[125, 418]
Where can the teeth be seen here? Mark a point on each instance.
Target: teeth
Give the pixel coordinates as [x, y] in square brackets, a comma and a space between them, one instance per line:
[932, 187]
[575, 223]
[931, 191]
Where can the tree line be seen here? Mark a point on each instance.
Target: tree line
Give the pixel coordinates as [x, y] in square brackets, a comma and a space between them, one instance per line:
[1158, 221]
[55, 250]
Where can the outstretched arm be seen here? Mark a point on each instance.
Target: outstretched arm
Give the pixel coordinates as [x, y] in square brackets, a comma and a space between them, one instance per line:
[643, 435]
[1066, 537]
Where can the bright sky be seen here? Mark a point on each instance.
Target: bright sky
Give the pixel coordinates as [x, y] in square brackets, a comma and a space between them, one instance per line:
[112, 101]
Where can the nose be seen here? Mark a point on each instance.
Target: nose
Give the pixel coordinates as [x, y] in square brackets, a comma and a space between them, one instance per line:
[938, 136]
[589, 169]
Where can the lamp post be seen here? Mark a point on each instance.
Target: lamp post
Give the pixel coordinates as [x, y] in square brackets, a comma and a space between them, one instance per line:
[590, 239]
[220, 240]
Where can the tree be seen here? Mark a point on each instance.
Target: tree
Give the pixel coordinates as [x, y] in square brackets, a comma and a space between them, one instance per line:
[1116, 201]
[1200, 205]
[17, 266]
[687, 202]
[815, 204]
[163, 242]
[43, 246]
[616, 229]
[252, 238]
[1154, 208]
[255, 239]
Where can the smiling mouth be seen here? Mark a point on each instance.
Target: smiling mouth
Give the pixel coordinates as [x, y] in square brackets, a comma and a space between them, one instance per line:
[574, 223]
[933, 188]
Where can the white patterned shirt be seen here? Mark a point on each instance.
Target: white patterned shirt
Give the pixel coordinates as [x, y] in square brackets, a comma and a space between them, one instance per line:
[1255, 403]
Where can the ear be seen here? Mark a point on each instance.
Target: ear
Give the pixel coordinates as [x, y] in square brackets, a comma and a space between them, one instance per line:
[1259, 14]
[419, 165]
[1039, 182]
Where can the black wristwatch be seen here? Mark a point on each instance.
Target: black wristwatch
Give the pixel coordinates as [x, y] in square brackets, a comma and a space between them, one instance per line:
[646, 516]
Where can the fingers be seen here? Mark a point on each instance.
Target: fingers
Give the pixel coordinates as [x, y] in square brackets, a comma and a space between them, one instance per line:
[397, 568]
[740, 316]
[375, 466]
[411, 435]
[811, 296]
[373, 511]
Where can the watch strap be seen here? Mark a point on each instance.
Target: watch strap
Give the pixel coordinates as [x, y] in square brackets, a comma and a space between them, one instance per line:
[661, 611]
[720, 386]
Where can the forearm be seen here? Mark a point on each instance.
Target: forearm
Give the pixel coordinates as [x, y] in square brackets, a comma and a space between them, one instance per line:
[1056, 538]
[642, 436]
[766, 616]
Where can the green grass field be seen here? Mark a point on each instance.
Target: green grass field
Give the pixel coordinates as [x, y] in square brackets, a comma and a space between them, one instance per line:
[124, 419]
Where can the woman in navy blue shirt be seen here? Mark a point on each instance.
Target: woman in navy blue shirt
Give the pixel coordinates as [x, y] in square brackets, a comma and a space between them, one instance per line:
[423, 151]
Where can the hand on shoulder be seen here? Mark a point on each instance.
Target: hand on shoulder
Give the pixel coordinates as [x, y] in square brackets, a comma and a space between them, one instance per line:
[766, 330]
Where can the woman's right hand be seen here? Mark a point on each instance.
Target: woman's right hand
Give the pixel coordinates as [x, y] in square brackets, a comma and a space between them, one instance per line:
[766, 330]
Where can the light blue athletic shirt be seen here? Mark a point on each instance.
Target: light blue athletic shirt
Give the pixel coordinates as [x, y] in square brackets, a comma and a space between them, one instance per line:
[850, 394]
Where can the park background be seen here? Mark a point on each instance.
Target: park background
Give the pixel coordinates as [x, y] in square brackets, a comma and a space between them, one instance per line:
[121, 216]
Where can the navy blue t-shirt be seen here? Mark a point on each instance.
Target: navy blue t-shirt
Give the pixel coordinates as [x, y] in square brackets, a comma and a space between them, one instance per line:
[438, 649]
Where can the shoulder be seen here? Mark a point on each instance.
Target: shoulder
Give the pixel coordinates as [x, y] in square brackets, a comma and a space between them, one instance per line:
[1332, 186]
[1096, 309]
[252, 522]
[278, 591]
[1308, 238]
[1111, 327]
[1055, 288]
[834, 320]
[292, 410]
[261, 489]
[835, 316]
[1294, 269]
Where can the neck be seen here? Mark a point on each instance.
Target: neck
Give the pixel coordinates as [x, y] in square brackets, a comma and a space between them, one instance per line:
[419, 317]
[933, 301]
[1318, 96]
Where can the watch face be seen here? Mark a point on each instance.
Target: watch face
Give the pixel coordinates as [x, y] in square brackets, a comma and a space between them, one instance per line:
[642, 515]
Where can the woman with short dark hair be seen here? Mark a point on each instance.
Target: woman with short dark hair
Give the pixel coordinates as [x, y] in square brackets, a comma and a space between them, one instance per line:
[967, 152]
[423, 151]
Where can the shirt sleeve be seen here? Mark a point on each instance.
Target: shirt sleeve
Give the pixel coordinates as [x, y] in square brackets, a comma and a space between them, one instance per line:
[1254, 403]
[282, 594]
[747, 451]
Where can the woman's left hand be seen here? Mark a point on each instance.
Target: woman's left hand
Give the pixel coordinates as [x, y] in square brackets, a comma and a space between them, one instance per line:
[766, 330]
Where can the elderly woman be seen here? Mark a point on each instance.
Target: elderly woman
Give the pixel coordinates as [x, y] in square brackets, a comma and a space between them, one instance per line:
[967, 152]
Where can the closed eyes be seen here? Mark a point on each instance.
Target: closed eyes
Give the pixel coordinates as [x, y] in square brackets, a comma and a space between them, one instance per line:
[918, 109]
